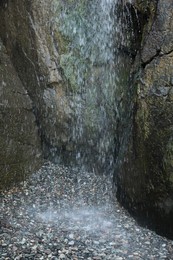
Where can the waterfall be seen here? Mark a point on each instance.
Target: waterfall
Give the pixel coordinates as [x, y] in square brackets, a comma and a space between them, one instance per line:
[87, 45]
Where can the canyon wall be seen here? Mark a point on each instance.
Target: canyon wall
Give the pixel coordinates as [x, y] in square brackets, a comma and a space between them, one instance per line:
[64, 57]
[63, 52]
[20, 146]
[145, 160]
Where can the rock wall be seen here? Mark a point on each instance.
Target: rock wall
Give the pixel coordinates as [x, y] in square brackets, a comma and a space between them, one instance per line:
[26, 29]
[20, 146]
[145, 160]
[26, 32]
[59, 50]
[87, 61]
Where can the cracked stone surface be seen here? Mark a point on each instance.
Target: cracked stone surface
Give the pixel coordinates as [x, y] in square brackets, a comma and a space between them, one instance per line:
[145, 177]
[19, 140]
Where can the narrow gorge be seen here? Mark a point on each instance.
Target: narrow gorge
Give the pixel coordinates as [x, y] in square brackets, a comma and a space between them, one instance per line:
[86, 123]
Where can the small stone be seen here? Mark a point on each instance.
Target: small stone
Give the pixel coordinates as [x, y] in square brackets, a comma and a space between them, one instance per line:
[103, 255]
[62, 256]
[4, 254]
[126, 226]
[112, 244]
[23, 241]
[74, 248]
[71, 236]
[14, 248]
[96, 242]
[48, 251]
[4, 245]
[71, 243]
[34, 247]
[103, 249]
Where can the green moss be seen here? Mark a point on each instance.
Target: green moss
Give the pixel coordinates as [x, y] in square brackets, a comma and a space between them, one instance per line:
[67, 37]
[63, 42]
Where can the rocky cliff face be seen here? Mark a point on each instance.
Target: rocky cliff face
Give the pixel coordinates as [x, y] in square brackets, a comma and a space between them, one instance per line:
[68, 79]
[145, 183]
[63, 54]
[20, 147]
[26, 32]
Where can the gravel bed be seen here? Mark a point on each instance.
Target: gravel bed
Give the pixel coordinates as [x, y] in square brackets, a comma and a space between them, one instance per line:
[65, 213]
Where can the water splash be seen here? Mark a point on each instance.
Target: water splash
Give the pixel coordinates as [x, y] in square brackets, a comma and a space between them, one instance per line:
[89, 219]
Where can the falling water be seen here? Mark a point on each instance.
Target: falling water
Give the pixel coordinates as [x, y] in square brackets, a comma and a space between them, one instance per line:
[89, 65]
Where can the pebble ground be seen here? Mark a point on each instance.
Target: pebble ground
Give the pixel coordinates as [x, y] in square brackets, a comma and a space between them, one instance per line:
[62, 213]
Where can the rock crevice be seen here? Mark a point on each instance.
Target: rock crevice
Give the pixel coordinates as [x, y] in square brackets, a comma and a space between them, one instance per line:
[144, 175]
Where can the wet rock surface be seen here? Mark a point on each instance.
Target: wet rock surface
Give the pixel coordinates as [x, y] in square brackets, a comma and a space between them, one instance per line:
[144, 161]
[63, 213]
[63, 52]
[19, 140]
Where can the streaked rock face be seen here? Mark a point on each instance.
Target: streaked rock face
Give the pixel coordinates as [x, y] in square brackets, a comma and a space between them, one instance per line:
[64, 54]
[20, 146]
[145, 173]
